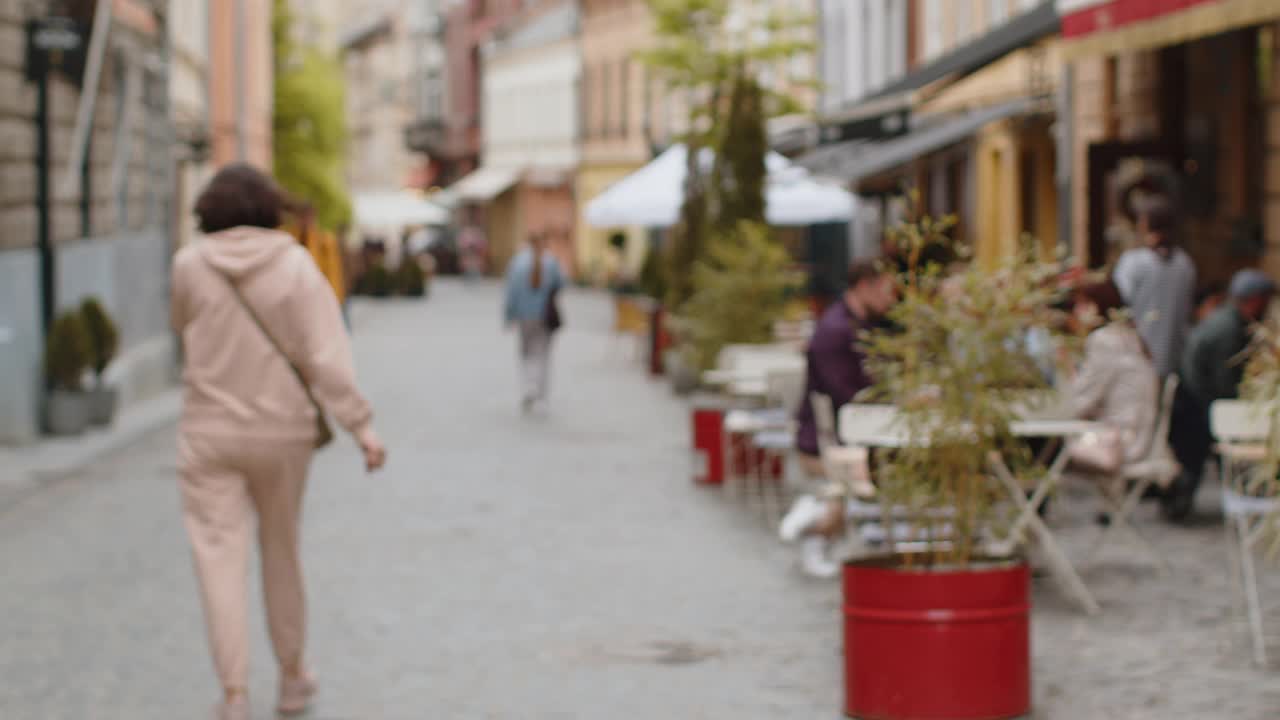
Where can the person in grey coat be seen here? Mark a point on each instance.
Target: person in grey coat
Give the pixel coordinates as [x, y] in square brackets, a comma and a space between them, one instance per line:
[1158, 283]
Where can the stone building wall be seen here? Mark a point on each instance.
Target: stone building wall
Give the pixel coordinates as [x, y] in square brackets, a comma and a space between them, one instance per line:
[119, 252]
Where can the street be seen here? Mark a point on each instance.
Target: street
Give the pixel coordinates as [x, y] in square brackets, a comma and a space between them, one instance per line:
[548, 567]
[501, 567]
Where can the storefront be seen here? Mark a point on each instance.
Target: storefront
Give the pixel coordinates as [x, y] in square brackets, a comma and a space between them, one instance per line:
[1176, 97]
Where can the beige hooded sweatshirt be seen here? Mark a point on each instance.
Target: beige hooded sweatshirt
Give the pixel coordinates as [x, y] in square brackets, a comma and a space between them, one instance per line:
[235, 383]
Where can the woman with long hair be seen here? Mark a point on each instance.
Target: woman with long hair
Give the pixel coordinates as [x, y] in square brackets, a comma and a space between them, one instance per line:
[533, 279]
[265, 357]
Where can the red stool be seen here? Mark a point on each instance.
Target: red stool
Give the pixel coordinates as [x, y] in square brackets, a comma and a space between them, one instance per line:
[707, 420]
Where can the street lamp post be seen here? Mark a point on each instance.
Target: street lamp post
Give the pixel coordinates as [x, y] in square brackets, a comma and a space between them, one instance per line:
[53, 43]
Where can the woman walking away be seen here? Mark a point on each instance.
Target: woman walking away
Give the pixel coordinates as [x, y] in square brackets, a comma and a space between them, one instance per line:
[265, 349]
[533, 280]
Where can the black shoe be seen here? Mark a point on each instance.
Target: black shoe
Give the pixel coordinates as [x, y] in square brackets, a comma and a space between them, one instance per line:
[1178, 500]
[1102, 519]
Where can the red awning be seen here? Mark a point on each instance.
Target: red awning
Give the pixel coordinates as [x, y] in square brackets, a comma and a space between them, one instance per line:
[1101, 27]
[1083, 17]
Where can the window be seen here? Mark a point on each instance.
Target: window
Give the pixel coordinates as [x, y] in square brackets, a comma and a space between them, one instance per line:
[963, 21]
[624, 104]
[606, 101]
[997, 12]
[932, 22]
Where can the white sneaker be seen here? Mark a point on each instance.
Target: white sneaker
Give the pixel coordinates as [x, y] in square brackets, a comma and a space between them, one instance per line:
[804, 512]
[814, 560]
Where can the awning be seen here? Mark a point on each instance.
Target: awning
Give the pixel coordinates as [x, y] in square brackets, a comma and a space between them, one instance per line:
[484, 183]
[859, 159]
[1106, 27]
[889, 104]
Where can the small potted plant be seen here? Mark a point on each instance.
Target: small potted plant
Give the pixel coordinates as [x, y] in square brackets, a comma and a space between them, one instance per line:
[378, 281]
[740, 291]
[410, 280]
[68, 354]
[938, 627]
[104, 340]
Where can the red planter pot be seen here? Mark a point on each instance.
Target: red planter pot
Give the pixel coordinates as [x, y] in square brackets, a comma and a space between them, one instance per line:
[937, 644]
[707, 423]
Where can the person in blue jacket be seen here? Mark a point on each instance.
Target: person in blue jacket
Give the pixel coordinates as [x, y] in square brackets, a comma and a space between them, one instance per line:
[533, 279]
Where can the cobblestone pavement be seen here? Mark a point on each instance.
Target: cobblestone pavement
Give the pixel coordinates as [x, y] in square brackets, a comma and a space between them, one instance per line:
[560, 567]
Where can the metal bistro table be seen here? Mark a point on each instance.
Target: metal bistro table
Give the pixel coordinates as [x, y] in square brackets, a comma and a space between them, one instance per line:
[1028, 519]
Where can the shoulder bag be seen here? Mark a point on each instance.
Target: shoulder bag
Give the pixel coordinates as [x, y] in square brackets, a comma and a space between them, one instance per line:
[324, 433]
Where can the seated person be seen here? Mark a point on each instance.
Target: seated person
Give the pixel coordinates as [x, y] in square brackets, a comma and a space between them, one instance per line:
[1116, 384]
[1212, 368]
[836, 360]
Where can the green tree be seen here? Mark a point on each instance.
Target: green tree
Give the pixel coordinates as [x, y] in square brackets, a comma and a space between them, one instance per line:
[309, 123]
[739, 175]
[699, 55]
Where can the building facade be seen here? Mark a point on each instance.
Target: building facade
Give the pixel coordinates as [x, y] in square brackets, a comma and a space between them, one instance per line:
[532, 71]
[960, 109]
[429, 93]
[625, 114]
[109, 214]
[469, 25]
[190, 77]
[375, 55]
[241, 90]
[863, 45]
[1182, 98]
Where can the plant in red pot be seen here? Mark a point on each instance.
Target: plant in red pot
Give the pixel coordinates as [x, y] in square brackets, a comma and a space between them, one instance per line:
[937, 627]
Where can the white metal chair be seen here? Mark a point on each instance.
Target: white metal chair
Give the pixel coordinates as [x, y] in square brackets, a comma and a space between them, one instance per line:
[850, 465]
[758, 412]
[776, 441]
[1160, 467]
[1241, 433]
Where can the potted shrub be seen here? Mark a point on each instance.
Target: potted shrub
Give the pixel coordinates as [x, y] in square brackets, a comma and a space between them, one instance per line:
[68, 354]
[740, 291]
[938, 628]
[104, 341]
[378, 282]
[410, 280]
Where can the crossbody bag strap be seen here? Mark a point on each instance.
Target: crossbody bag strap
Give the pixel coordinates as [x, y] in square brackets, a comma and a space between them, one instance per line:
[248, 309]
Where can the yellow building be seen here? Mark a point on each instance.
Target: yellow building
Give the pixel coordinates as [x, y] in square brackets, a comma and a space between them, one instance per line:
[618, 135]
[963, 119]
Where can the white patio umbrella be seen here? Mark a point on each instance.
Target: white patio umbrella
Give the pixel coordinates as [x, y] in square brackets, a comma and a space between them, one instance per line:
[396, 209]
[651, 196]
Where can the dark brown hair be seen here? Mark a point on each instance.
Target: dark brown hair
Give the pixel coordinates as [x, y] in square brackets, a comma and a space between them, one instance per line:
[861, 271]
[240, 195]
[1104, 294]
[535, 278]
[1161, 222]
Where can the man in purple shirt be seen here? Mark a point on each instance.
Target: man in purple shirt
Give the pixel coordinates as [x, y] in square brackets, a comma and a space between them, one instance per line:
[837, 369]
[835, 356]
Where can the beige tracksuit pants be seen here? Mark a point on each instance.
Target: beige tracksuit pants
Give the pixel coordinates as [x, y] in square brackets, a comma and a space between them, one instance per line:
[225, 484]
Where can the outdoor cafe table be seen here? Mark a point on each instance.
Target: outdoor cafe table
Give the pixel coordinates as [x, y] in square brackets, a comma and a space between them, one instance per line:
[1028, 519]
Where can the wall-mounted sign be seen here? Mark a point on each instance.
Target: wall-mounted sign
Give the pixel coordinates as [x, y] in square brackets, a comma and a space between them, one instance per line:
[55, 44]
